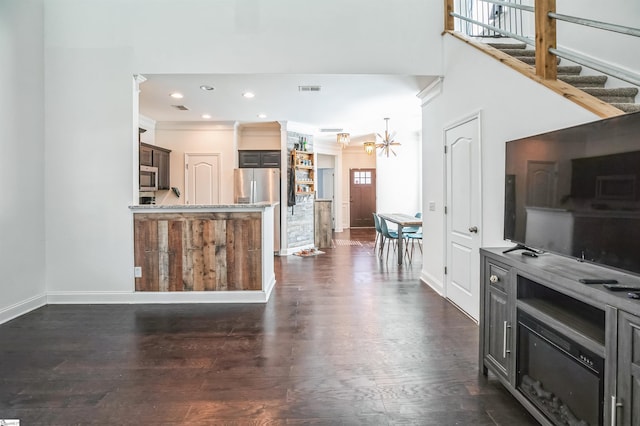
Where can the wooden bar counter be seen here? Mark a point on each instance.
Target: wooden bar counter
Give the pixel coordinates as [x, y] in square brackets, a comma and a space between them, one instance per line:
[213, 250]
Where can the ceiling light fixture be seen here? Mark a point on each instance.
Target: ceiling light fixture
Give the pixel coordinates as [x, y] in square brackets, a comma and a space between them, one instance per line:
[388, 141]
[176, 95]
[262, 115]
[207, 88]
[343, 139]
[206, 116]
[248, 95]
[369, 147]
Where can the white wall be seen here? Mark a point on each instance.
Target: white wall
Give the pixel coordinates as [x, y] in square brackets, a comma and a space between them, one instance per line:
[399, 185]
[375, 36]
[196, 138]
[22, 225]
[259, 136]
[92, 49]
[606, 46]
[512, 106]
[89, 169]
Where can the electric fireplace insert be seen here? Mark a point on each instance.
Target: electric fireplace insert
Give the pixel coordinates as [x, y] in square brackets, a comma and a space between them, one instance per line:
[561, 378]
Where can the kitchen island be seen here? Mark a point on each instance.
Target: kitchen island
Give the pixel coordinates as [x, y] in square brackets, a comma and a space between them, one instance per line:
[204, 253]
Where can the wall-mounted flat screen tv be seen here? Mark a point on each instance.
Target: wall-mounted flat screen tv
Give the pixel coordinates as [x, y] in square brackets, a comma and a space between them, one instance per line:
[576, 192]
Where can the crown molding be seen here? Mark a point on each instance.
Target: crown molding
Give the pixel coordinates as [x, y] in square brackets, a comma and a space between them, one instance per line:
[431, 91]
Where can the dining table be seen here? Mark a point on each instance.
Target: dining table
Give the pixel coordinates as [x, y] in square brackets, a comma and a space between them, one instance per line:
[401, 220]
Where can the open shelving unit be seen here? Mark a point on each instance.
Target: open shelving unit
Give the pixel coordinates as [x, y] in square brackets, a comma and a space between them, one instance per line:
[303, 164]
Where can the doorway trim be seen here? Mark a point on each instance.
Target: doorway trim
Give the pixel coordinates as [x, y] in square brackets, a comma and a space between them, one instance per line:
[336, 153]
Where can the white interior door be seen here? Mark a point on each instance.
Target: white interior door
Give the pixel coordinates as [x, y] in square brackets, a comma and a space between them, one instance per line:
[463, 238]
[202, 177]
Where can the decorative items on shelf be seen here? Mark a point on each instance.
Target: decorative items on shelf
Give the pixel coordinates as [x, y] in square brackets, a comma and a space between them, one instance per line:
[302, 163]
[301, 145]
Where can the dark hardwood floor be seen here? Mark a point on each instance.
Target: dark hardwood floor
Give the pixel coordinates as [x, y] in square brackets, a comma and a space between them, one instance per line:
[345, 339]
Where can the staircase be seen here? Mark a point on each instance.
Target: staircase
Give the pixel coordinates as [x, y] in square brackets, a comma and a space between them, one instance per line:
[622, 98]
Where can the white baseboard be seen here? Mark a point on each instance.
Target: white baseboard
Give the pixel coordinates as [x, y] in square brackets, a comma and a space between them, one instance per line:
[125, 297]
[81, 297]
[269, 287]
[21, 308]
[433, 282]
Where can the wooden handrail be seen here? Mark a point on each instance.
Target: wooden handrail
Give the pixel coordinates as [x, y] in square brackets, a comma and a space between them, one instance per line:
[591, 103]
[448, 18]
[546, 63]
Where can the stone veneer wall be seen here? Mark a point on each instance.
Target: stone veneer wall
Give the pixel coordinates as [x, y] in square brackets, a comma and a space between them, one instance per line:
[300, 229]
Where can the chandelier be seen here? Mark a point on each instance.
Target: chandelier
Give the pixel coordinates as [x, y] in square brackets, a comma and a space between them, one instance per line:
[369, 147]
[343, 139]
[387, 141]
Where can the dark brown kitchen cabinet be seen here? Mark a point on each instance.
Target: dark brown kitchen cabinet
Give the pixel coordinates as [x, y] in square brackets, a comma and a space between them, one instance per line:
[270, 159]
[161, 161]
[146, 155]
[258, 159]
[155, 156]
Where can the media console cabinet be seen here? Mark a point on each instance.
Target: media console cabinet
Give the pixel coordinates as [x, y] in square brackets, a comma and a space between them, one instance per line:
[569, 352]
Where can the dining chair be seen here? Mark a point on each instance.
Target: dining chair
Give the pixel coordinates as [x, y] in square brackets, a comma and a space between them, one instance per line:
[414, 236]
[379, 236]
[388, 236]
[412, 229]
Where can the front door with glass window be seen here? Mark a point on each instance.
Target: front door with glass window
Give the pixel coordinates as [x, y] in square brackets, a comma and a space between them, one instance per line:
[363, 197]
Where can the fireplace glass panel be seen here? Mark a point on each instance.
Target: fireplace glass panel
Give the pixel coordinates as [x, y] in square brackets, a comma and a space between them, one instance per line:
[563, 380]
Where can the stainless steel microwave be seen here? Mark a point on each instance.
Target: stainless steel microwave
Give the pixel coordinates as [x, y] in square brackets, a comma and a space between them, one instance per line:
[148, 178]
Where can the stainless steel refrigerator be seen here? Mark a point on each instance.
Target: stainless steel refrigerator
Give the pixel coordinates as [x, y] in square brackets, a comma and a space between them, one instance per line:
[256, 185]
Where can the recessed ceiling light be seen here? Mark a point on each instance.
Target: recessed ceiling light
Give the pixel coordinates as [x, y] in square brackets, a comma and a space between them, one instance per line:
[207, 88]
[262, 115]
[206, 116]
[248, 95]
[176, 95]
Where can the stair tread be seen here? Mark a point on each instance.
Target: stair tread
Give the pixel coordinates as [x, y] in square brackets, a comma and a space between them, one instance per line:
[531, 60]
[569, 69]
[626, 107]
[519, 52]
[508, 45]
[613, 91]
[584, 80]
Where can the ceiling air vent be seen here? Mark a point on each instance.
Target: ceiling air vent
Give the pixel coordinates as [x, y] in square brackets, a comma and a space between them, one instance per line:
[309, 88]
[336, 130]
[180, 107]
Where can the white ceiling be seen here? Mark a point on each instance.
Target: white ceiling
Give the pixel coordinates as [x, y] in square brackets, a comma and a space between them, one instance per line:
[357, 103]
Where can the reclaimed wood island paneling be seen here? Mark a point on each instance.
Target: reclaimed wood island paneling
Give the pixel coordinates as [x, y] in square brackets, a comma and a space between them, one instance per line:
[204, 248]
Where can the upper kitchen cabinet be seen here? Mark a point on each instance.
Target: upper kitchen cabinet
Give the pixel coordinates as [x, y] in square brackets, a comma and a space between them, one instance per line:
[155, 156]
[258, 159]
[162, 162]
[146, 155]
[259, 145]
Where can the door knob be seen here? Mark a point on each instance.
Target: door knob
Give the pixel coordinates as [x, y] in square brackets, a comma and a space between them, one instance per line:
[473, 229]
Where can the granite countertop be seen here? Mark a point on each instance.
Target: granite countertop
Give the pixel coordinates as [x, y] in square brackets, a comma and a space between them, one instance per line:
[261, 205]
